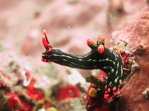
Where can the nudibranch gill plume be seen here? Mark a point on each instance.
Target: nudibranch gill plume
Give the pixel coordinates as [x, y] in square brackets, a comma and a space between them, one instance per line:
[99, 57]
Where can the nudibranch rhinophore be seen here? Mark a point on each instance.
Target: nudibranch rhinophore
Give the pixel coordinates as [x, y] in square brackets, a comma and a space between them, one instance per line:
[99, 57]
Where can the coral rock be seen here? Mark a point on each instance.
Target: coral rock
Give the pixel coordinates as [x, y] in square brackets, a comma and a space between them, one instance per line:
[136, 34]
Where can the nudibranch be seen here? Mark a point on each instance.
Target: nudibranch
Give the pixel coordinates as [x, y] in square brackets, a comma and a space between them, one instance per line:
[99, 57]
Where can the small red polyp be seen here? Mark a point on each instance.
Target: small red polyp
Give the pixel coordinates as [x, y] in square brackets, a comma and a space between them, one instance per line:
[101, 49]
[45, 41]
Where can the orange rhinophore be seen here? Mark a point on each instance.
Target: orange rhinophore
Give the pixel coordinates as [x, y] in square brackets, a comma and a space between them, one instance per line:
[101, 49]
[89, 42]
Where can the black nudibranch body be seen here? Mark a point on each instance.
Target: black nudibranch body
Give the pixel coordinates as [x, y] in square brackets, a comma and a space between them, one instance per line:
[98, 58]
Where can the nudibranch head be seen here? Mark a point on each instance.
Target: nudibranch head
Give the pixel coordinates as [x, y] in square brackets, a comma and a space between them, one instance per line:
[99, 45]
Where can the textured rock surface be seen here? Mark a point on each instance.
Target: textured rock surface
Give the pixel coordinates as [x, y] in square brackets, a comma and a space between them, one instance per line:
[132, 97]
[136, 34]
[68, 26]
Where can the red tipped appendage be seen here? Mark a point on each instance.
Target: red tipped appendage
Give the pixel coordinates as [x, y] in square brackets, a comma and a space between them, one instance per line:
[101, 49]
[89, 42]
[45, 41]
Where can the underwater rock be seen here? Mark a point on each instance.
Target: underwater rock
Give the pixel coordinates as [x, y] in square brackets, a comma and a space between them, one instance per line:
[137, 35]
